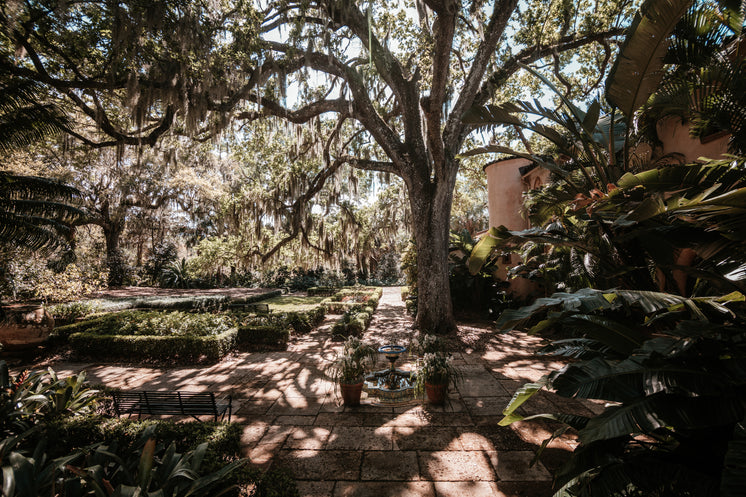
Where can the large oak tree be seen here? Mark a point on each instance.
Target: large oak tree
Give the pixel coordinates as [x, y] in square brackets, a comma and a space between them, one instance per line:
[406, 85]
[398, 84]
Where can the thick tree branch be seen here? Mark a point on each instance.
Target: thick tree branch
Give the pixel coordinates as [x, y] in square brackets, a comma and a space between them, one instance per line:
[302, 115]
[390, 69]
[538, 52]
[444, 29]
[453, 132]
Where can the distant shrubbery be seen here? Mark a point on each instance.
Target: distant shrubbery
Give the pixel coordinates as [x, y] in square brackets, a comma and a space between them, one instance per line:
[358, 304]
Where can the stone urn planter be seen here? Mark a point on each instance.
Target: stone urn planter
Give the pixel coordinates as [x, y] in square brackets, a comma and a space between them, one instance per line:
[24, 326]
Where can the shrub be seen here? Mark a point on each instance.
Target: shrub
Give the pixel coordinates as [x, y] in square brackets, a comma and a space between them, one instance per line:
[263, 337]
[155, 323]
[352, 323]
[162, 255]
[179, 348]
[69, 312]
[321, 291]
[223, 439]
[251, 299]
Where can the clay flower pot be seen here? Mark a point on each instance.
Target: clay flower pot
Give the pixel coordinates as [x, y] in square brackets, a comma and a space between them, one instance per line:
[351, 393]
[436, 393]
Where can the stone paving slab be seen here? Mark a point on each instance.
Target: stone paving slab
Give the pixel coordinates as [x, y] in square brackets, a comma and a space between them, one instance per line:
[322, 464]
[399, 465]
[383, 489]
[454, 465]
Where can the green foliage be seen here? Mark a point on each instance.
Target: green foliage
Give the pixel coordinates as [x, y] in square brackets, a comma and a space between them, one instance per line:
[72, 311]
[223, 439]
[436, 368]
[35, 397]
[144, 468]
[670, 369]
[27, 276]
[36, 213]
[468, 291]
[156, 323]
[324, 291]
[185, 349]
[176, 275]
[160, 257]
[350, 366]
[53, 445]
[263, 337]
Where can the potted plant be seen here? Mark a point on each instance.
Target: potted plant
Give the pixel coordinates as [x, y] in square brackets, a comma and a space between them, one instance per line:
[348, 369]
[434, 374]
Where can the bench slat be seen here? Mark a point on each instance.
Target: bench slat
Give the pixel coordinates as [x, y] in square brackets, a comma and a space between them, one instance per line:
[186, 403]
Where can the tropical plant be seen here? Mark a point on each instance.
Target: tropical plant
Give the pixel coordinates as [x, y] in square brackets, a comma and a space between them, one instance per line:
[176, 275]
[24, 117]
[350, 366]
[671, 372]
[634, 236]
[145, 468]
[468, 291]
[436, 368]
[35, 212]
[681, 58]
[34, 397]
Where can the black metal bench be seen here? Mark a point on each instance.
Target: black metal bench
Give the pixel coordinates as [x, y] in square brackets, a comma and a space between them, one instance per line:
[161, 403]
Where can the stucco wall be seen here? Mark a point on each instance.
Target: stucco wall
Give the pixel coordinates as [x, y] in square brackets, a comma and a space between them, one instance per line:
[675, 138]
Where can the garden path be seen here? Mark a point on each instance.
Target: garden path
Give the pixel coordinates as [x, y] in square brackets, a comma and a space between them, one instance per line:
[292, 416]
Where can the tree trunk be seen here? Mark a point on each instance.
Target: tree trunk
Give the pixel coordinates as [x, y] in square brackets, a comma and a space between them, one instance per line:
[431, 212]
[114, 259]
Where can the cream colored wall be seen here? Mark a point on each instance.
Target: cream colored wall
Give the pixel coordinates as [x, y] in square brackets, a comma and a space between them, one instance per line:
[675, 138]
[505, 187]
[505, 193]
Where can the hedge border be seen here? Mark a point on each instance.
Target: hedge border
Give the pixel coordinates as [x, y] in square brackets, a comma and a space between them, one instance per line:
[181, 349]
[257, 338]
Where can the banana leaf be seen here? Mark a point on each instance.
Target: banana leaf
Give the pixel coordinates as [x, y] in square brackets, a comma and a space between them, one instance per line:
[638, 69]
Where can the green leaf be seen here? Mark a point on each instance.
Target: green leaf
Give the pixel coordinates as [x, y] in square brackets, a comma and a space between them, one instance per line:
[519, 398]
[637, 71]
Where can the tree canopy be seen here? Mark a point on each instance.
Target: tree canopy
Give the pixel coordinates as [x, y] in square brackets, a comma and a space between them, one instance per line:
[377, 86]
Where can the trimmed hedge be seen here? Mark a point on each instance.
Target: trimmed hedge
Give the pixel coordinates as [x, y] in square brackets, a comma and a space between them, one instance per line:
[300, 322]
[148, 323]
[252, 299]
[335, 304]
[179, 348]
[262, 337]
[321, 291]
[303, 322]
[188, 302]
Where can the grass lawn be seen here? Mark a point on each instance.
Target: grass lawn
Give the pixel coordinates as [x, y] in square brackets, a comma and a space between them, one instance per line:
[293, 303]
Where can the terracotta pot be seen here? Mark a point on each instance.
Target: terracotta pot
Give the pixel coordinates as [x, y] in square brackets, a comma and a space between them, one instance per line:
[351, 393]
[436, 393]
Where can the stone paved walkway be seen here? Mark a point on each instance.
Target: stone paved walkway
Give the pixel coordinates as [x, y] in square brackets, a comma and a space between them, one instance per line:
[292, 416]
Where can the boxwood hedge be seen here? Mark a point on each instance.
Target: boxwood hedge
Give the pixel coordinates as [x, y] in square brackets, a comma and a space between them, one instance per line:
[177, 348]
